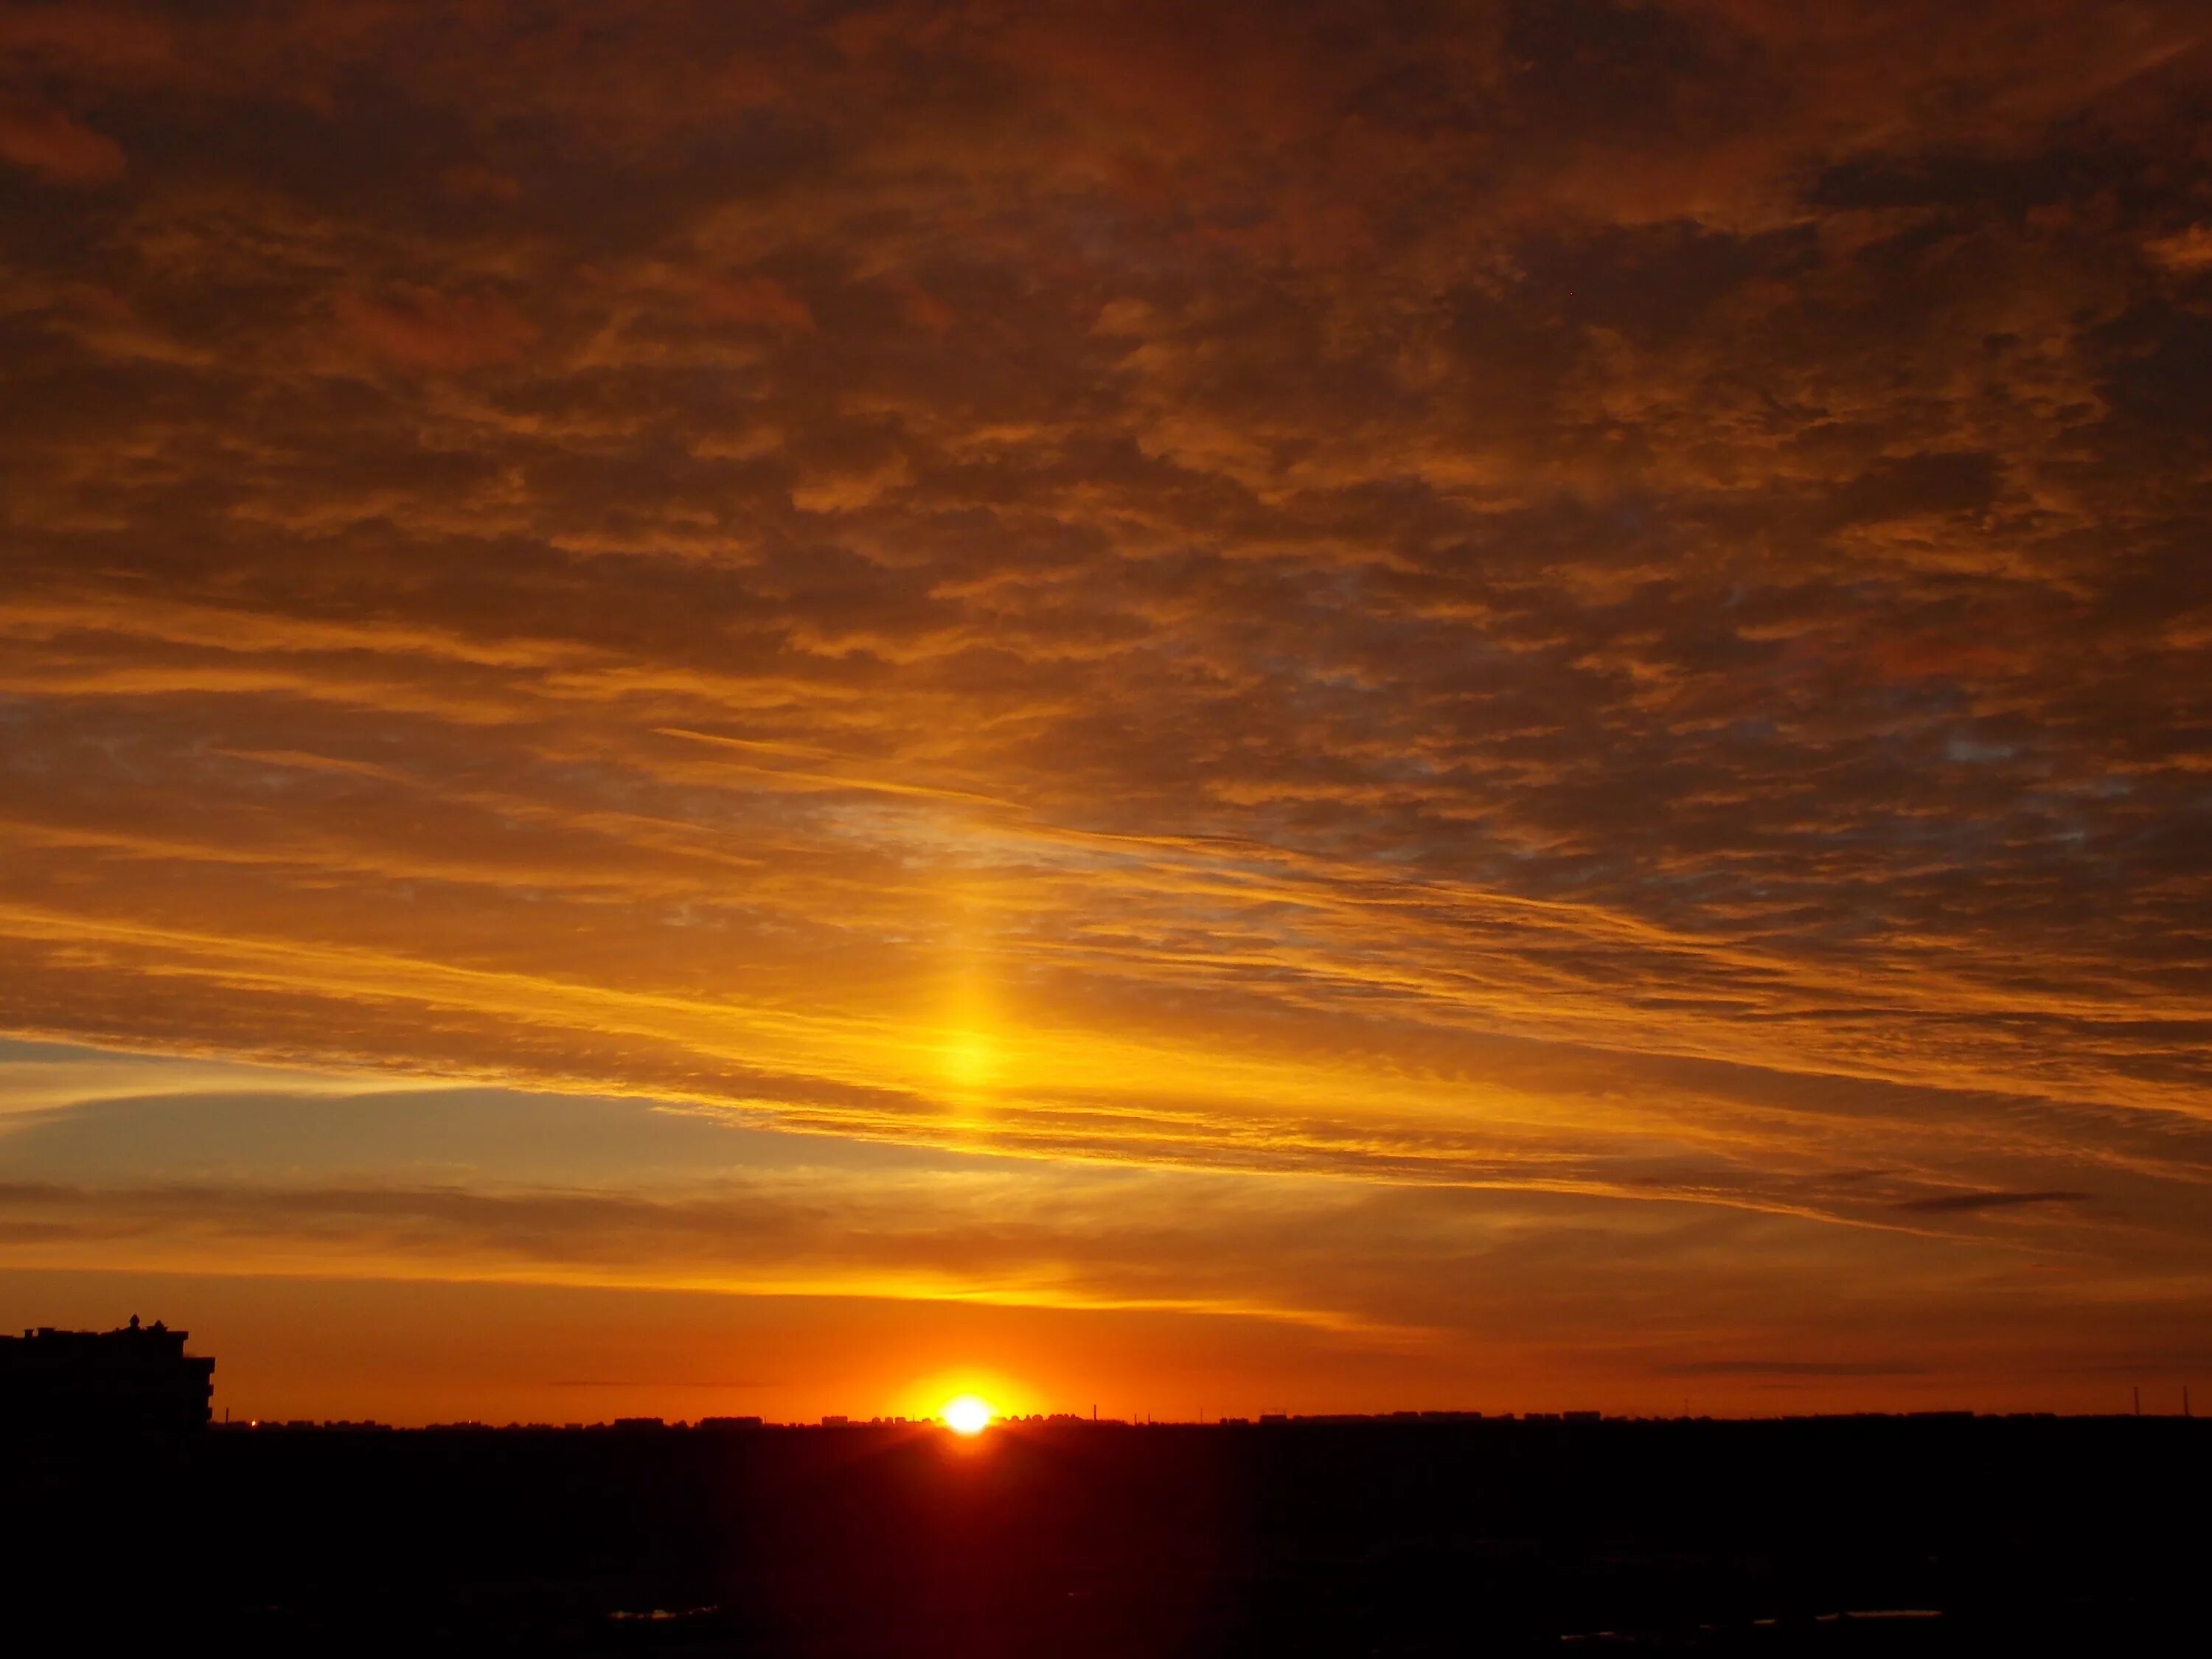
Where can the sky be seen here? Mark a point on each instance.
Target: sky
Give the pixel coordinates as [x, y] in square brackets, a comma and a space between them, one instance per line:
[776, 708]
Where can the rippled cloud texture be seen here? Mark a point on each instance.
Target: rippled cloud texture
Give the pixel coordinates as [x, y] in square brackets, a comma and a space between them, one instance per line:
[1438, 674]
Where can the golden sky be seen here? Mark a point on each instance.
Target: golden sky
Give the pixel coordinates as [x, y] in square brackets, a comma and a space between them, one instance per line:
[715, 707]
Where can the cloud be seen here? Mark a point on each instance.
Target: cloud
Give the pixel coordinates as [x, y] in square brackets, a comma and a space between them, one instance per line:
[1951, 1203]
[2186, 251]
[426, 331]
[108, 1171]
[1590, 603]
[58, 148]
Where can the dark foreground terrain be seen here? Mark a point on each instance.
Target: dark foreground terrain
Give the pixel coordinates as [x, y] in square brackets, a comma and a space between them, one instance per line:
[1891, 1536]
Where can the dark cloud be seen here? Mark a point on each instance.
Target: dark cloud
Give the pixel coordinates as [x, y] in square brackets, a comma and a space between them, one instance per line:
[1951, 1203]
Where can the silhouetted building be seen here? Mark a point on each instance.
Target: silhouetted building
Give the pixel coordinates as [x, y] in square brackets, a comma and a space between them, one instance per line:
[138, 1380]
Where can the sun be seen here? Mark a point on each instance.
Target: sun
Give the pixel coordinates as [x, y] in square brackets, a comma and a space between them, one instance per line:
[967, 1415]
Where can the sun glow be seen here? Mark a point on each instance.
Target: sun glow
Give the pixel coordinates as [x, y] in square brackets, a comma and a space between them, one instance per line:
[967, 1415]
[970, 1058]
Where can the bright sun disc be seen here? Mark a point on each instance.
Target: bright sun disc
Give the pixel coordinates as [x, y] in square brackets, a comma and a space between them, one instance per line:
[967, 1415]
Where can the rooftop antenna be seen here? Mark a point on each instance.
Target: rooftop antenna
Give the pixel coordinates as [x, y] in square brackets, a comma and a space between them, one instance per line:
[2138, 1402]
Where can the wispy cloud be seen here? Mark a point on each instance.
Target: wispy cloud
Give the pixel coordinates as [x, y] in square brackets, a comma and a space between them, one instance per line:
[1954, 1202]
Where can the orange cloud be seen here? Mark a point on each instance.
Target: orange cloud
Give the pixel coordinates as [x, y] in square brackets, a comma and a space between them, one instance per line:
[758, 301]
[59, 148]
[418, 329]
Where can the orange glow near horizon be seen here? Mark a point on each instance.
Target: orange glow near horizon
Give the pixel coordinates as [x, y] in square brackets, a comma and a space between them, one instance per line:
[988, 1389]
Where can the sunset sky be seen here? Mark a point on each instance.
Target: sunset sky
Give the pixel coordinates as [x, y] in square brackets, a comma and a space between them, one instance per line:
[777, 708]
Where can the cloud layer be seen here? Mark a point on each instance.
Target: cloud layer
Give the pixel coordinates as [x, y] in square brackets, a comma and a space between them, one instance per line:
[1592, 600]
